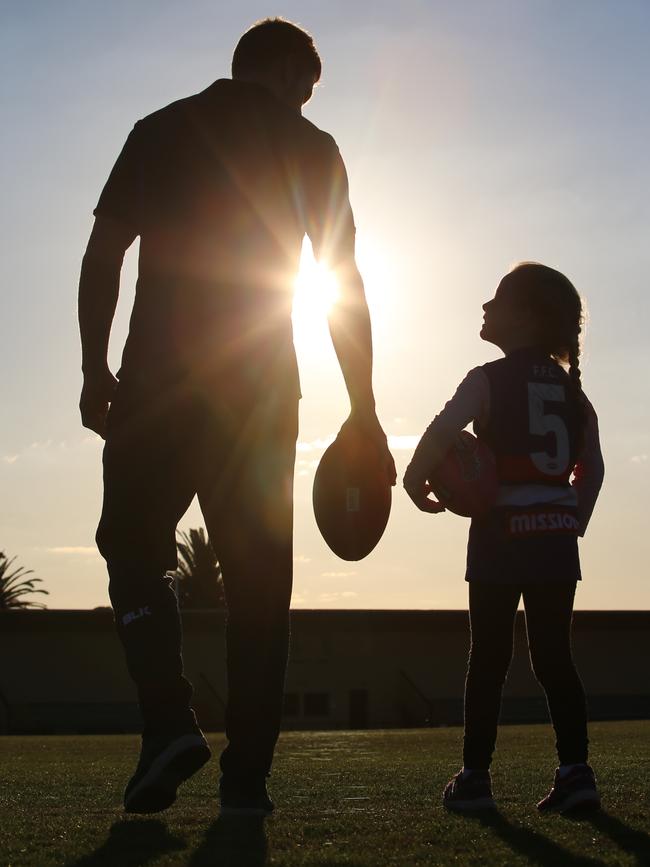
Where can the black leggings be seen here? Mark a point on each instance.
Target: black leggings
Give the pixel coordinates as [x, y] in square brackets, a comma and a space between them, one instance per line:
[492, 609]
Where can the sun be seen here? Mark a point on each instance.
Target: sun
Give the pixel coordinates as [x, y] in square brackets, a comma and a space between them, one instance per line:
[316, 290]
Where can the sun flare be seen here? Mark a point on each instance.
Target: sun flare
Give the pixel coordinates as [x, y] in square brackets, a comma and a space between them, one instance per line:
[315, 292]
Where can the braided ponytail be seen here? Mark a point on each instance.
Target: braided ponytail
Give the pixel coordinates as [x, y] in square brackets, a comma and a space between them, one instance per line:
[557, 308]
[575, 378]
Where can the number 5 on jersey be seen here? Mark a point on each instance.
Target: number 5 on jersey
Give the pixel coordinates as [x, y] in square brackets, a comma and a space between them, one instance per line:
[542, 423]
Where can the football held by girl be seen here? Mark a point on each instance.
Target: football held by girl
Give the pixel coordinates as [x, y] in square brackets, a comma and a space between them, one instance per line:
[529, 408]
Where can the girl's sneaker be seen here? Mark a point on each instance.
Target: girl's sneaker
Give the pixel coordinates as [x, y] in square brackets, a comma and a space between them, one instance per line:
[471, 791]
[575, 790]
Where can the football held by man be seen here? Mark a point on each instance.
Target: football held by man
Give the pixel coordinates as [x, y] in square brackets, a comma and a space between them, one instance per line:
[221, 188]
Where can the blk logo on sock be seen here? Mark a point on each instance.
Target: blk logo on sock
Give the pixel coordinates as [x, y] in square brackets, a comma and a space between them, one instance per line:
[136, 615]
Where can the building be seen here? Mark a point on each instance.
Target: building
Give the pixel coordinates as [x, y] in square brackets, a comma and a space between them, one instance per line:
[63, 671]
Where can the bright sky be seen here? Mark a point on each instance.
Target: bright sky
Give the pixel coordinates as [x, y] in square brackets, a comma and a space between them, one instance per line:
[475, 134]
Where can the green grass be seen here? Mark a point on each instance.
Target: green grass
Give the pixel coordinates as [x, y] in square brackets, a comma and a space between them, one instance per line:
[343, 798]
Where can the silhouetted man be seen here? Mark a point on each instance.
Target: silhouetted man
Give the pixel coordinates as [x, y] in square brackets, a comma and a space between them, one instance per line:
[221, 188]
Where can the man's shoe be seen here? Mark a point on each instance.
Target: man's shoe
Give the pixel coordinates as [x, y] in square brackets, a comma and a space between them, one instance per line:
[165, 762]
[466, 792]
[575, 790]
[244, 796]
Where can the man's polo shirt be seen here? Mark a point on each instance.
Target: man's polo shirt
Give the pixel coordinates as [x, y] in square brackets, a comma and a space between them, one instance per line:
[221, 187]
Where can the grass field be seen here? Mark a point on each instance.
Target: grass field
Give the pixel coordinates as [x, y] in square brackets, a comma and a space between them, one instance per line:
[342, 798]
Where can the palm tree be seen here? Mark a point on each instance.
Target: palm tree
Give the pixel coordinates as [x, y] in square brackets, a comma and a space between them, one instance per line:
[199, 574]
[14, 586]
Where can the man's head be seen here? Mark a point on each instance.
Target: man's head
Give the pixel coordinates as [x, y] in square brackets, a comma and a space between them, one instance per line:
[282, 57]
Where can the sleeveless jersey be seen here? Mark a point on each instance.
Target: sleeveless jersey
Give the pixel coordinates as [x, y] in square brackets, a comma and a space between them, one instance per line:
[534, 423]
[534, 431]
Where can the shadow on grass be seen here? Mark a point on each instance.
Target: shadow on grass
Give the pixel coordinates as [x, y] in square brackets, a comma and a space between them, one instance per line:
[537, 848]
[132, 842]
[630, 840]
[232, 841]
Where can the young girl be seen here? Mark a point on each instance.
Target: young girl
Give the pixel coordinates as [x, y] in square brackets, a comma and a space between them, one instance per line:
[530, 409]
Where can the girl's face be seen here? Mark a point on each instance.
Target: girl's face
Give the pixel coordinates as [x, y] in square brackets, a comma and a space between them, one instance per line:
[505, 324]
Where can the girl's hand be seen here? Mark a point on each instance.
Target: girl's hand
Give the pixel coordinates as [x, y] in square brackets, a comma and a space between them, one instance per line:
[418, 490]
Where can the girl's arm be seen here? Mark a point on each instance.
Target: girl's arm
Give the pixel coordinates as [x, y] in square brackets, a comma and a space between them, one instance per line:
[589, 471]
[471, 402]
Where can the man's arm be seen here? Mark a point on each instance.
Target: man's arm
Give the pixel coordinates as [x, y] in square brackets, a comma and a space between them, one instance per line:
[350, 329]
[332, 233]
[98, 293]
[351, 333]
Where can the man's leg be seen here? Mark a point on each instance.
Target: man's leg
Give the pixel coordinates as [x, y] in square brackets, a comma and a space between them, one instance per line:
[148, 485]
[248, 507]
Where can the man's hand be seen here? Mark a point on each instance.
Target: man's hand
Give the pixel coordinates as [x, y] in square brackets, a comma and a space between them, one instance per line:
[367, 424]
[99, 287]
[418, 489]
[96, 395]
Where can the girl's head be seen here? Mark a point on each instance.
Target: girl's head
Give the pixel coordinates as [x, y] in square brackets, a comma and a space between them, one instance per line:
[535, 305]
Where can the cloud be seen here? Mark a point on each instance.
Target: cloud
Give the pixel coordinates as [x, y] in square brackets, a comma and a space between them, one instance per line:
[88, 551]
[336, 597]
[300, 558]
[404, 443]
[318, 445]
[639, 459]
[398, 442]
[305, 468]
[53, 451]
[298, 599]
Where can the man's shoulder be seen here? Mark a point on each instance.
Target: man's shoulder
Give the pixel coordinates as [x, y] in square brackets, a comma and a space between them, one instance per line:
[319, 135]
[318, 149]
[168, 114]
[177, 112]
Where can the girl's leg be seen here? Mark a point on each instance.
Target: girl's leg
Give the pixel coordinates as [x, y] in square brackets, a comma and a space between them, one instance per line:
[549, 609]
[492, 609]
